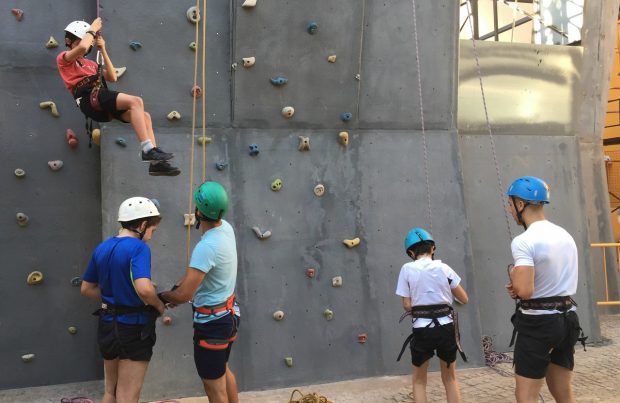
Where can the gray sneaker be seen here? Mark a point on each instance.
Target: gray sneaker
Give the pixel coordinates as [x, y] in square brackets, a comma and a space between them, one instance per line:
[163, 168]
[156, 154]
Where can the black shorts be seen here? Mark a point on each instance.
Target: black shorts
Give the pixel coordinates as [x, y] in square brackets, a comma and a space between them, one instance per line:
[133, 342]
[107, 100]
[542, 339]
[428, 340]
[212, 344]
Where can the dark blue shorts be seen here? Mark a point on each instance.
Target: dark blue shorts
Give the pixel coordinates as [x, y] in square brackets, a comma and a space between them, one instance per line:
[212, 344]
[126, 342]
[107, 100]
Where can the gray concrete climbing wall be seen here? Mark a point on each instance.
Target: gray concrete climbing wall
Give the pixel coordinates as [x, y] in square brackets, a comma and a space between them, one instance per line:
[63, 206]
[375, 186]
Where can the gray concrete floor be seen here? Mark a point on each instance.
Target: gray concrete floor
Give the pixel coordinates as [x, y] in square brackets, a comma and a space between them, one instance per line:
[597, 379]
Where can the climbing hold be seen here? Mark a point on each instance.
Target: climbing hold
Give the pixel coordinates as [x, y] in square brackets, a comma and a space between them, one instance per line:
[362, 338]
[55, 165]
[313, 27]
[51, 43]
[121, 142]
[276, 185]
[260, 234]
[329, 315]
[120, 71]
[351, 243]
[288, 361]
[249, 61]
[192, 46]
[22, 219]
[20, 173]
[52, 106]
[71, 138]
[319, 190]
[221, 165]
[18, 13]
[203, 140]
[174, 115]
[344, 138]
[189, 219]
[167, 320]
[254, 150]
[135, 45]
[249, 4]
[36, 277]
[72, 329]
[358, 77]
[196, 91]
[278, 81]
[304, 143]
[310, 272]
[233, 66]
[76, 281]
[288, 111]
[337, 281]
[346, 116]
[158, 205]
[331, 58]
[278, 315]
[96, 136]
[193, 14]
[27, 357]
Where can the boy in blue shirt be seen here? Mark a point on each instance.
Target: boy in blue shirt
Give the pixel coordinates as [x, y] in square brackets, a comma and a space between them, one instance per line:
[119, 275]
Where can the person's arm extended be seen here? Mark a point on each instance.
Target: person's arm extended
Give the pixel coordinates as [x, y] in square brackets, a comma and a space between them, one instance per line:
[109, 72]
[146, 292]
[187, 287]
[460, 294]
[406, 304]
[90, 290]
[85, 43]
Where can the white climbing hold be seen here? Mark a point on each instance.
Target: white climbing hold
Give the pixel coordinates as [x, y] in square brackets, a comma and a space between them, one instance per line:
[337, 281]
[260, 234]
[249, 4]
[120, 71]
[193, 14]
[351, 243]
[202, 140]
[174, 115]
[22, 219]
[189, 219]
[319, 190]
[27, 357]
[304, 143]
[55, 165]
[192, 46]
[233, 66]
[51, 43]
[278, 315]
[249, 61]
[52, 106]
[358, 77]
[331, 58]
[344, 138]
[288, 112]
[20, 173]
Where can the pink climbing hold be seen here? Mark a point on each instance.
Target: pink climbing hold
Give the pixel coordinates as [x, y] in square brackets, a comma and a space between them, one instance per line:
[196, 91]
[311, 272]
[18, 13]
[362, 338]
[71, 138]
[167, 320]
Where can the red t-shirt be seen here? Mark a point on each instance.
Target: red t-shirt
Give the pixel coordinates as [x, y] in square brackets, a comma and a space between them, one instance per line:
[73, 73]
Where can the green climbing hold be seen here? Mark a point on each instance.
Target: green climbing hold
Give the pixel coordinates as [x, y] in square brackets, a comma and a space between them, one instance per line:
[288, 361]
[121, 142]
[72, 329]
[276, 185]
[329, 314]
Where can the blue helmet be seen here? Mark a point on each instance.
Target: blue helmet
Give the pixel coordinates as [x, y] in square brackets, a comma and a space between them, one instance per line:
[529, 188]
[417, 235]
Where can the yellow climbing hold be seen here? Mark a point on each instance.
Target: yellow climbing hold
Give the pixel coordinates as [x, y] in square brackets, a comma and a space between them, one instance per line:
[72, 329]
[351, 243]
[174, 115]
[51, 43]
[202, 140]
[36, 277]
[278, 315]
[96, 134]
[331, 58]
[52, 106]
[344, 138]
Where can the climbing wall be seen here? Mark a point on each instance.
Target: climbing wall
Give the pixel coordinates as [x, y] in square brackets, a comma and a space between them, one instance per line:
[62, 206]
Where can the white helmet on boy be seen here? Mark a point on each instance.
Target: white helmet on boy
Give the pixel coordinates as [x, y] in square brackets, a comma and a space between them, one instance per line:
[78, 28]
[136, 207]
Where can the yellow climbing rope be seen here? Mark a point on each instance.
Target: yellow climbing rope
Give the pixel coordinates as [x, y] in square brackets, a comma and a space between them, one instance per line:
[309, 398]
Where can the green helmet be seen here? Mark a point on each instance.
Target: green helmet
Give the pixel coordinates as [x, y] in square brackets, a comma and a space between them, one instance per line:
[211, 200]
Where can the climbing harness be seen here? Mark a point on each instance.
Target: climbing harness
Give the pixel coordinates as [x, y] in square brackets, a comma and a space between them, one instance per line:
[433, 312]
[115, 310]
[218, 344]
[227, 305]
[308, 398]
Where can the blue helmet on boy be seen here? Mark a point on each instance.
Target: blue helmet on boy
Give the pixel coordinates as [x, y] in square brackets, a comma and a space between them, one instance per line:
[530, 189]
[417, 235]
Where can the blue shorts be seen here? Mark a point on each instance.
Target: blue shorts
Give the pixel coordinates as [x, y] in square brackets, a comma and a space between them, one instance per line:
[212, 344]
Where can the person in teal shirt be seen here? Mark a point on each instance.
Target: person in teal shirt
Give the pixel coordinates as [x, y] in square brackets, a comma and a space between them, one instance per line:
[209, 282]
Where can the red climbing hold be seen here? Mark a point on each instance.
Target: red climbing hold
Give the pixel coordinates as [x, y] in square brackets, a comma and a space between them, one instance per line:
[311, 272]
[362, 338]
[19, 14]
[196, 91]
[71, 138]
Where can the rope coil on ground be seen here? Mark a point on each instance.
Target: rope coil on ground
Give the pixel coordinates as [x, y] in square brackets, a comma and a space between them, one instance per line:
[492, 357]
[308, 398]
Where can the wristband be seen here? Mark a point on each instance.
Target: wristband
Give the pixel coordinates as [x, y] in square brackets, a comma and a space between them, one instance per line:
[93, 33]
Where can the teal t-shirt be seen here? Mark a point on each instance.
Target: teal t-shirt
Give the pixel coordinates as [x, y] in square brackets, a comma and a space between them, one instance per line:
[216, 255]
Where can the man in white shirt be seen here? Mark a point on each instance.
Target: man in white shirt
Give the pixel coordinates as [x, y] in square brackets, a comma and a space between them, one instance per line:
[543, 279]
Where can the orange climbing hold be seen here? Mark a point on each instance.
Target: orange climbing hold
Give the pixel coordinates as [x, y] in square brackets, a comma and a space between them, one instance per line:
[71, 138]
[18, 13]
[167, 320]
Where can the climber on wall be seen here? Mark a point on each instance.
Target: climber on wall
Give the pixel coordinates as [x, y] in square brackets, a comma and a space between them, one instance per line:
[87, 84]
[119, 275]
[209, 282]
[428, 287]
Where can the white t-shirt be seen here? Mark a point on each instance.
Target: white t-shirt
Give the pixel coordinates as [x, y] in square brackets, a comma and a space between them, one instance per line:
[551, 250]
[427, 282]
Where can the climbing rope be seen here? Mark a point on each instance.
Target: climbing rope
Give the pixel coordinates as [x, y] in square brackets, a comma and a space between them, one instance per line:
[309, 398]
[419, 74]
[492, 357]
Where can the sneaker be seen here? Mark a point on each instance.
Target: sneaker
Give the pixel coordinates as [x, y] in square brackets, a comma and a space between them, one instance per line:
[163, 168]
[156, 154]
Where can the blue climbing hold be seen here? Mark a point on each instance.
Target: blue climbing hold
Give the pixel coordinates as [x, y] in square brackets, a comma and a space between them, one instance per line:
[254, 150]
[221, 165]
[121, 142]
[278, 80]
[313, 27]
[346, 116]
[156, 203]
[135, 45]
[76, 281]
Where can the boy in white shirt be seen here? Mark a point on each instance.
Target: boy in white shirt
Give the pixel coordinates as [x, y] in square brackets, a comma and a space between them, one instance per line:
[428, 288]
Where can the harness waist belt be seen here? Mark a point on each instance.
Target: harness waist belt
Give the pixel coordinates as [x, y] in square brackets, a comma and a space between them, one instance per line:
[89, 81]
[431, 311]
[228, 305]
[563, 303]
[113, 309]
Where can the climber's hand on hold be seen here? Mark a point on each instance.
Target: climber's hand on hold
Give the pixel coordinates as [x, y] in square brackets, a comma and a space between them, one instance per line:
[100, 42]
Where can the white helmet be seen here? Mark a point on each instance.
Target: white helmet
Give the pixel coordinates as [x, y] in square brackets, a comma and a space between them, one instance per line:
[136, 207]
[78, 28]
